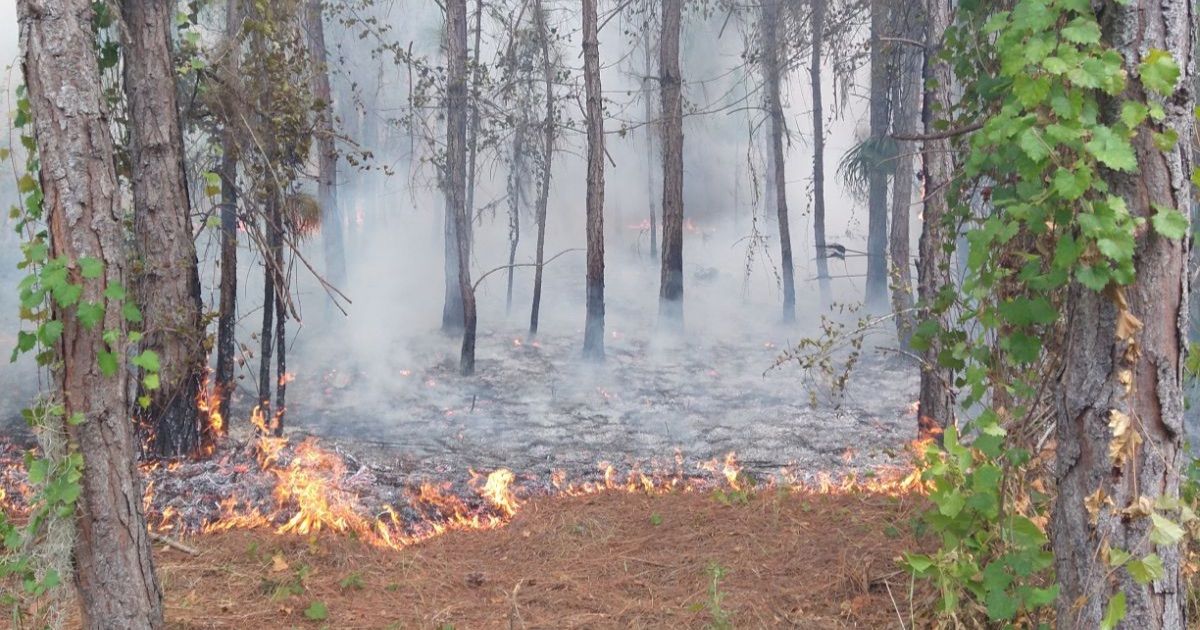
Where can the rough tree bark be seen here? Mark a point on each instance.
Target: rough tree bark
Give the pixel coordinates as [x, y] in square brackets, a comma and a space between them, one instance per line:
[327, 156]
[165, 281]
[907, 88]
[114, 571]
[1124, 357]
[773, 74]
[936, 401]
[543, 200]
[227, 314]
[877, 201]
[456, 168]
[818, 114]
[670, 296]
[593, 334]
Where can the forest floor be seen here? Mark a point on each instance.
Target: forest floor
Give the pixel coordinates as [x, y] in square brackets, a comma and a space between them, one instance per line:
[775, 558]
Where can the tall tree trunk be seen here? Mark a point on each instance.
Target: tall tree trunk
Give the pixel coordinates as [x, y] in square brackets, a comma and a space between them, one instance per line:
[227, 315]
[327, 156]
[453, 318]
[281, 288]
[114, 570]
[1137, 375]
[818, 114]
[267, 334]
[907, 112]
[456, 168]
[539, 17]
[473, 124]
[593, 334]
[936, 402]
[453, 311]
[877, 201]
[773, 75]
[165, 283]
[652, 158]
[515, 186]
[670, 296]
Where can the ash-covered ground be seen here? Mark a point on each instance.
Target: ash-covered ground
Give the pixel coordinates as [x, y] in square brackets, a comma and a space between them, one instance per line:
[534, 405]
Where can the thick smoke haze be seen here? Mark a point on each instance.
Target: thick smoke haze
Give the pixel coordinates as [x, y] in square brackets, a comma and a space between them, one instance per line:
[383, 372]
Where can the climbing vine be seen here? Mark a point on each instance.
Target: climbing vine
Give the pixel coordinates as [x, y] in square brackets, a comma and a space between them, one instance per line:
[1038, 216]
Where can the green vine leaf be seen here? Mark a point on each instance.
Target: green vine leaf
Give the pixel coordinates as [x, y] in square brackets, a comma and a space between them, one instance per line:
[1159, 71]
[1111, 149]
[1115, 612]
[91, 268]
[1146, 570]
[1169, 222]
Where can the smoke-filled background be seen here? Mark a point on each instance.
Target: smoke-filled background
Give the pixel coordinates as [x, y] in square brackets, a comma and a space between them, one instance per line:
[382, 374]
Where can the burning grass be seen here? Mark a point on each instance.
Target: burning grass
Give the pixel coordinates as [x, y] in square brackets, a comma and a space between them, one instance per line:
[786, 558]
[289, 531]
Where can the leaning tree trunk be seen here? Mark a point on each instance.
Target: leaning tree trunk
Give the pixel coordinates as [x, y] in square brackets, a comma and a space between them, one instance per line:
[114, 570]
[593, 334]
[936, 402]
[456, 168]
[543, 200]
[670, 296]
[773, 75]
[1124, 358]
[818, 114]
[228, 169]
[327, 187]
[907, 111]
[165, 282]
[877, 202]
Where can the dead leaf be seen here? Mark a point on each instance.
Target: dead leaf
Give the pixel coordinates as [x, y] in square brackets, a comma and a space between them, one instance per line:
[1125, 377]
[278, 564]
[1140, 508]
[1125, 438]
[1093, 502]
[1127, 325]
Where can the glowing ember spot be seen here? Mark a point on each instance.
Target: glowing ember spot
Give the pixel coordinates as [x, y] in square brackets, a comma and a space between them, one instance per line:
[849, 454]
[406, 373]
[517, 343]
[286, 378]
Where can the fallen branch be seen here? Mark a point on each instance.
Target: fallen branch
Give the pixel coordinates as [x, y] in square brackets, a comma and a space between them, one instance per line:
[174, 544]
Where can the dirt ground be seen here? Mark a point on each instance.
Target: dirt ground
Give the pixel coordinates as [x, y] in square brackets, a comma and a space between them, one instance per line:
[780, 559]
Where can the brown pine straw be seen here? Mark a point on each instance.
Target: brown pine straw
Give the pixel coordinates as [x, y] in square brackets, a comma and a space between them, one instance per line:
[794, 559]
